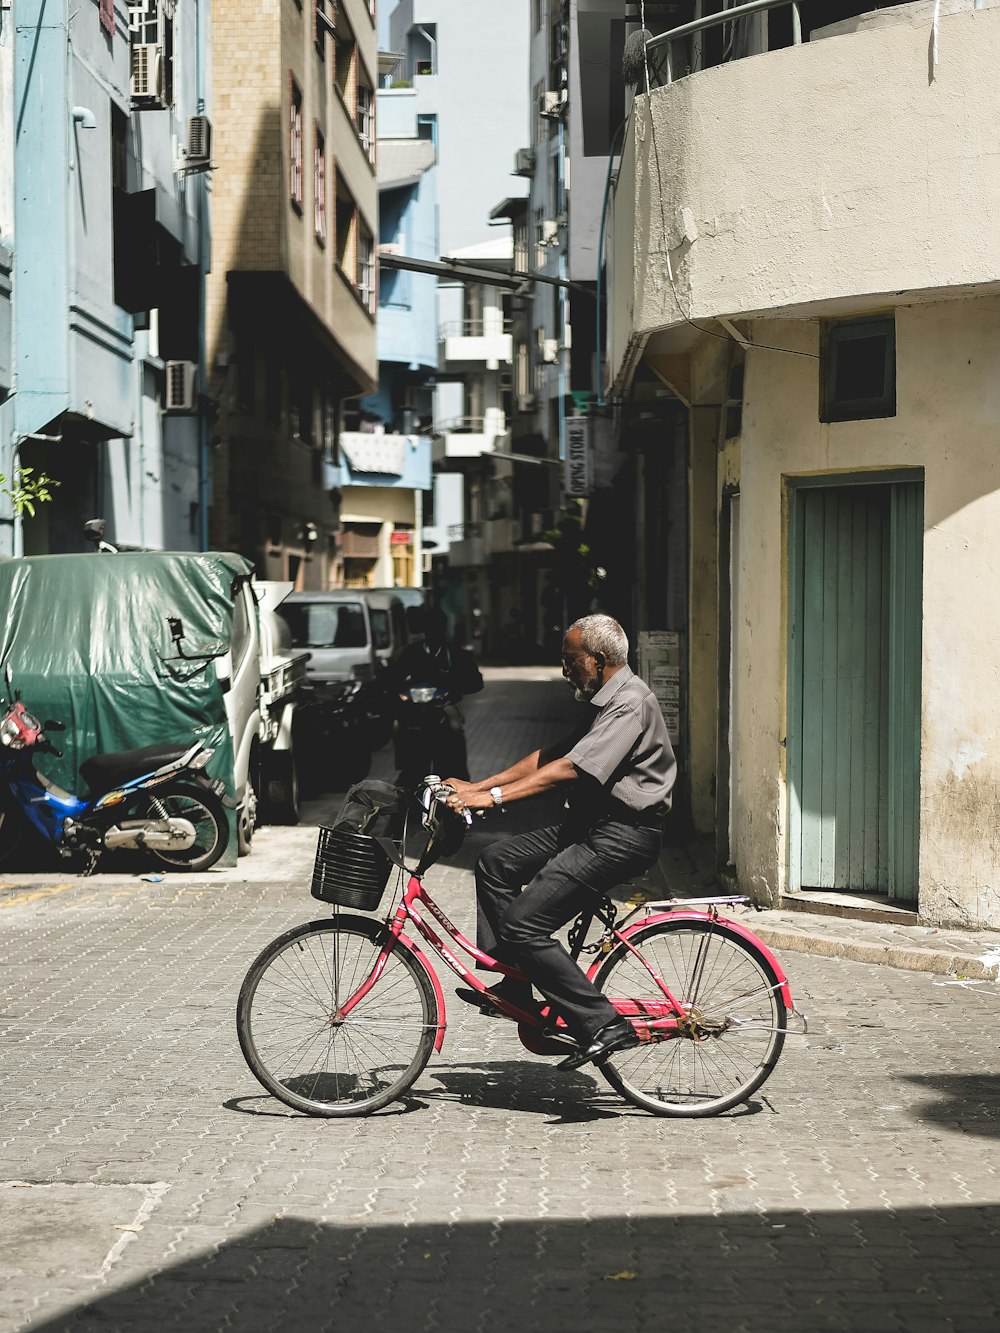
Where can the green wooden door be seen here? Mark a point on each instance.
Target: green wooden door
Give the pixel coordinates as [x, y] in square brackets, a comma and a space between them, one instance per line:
[855, 688]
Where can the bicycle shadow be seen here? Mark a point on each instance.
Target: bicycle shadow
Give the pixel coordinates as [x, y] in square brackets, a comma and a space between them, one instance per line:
[522, 1085]
[572, 1097]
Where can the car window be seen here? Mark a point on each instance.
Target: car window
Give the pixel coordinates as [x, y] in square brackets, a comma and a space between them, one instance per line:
[326, 624]
[380, 629]
[351, 629]
[399, 625]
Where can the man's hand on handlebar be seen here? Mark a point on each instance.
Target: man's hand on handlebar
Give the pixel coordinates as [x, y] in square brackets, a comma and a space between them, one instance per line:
[464, 797]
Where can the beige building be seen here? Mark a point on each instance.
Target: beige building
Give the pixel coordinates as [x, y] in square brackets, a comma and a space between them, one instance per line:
[290, 307]
[805, 325]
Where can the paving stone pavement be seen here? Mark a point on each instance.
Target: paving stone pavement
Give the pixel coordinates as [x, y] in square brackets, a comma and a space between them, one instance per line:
[147, 1181]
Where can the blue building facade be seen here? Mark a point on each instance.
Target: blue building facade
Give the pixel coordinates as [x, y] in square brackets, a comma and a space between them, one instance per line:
[103, 215]
[407, 306]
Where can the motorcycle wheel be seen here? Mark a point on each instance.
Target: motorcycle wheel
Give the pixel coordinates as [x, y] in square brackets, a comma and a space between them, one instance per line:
[202, 808]
[11, 830]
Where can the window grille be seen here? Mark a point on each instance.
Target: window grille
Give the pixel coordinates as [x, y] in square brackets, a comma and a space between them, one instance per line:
[295, 146]
[319, 188]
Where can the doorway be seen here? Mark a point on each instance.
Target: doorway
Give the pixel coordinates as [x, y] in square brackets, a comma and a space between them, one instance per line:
[855, 610]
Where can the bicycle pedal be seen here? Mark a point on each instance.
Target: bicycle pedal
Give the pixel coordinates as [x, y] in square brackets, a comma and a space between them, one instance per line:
[553, 1034]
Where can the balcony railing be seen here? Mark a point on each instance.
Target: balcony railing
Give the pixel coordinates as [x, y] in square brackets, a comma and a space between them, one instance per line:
[666, 39]
[460, 532]
[474, 328]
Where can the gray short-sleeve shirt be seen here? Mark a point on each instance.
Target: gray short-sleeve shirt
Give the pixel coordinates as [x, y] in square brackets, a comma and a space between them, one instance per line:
[622, 751]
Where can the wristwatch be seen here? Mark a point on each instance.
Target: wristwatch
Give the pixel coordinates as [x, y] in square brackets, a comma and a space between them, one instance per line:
[497, 794]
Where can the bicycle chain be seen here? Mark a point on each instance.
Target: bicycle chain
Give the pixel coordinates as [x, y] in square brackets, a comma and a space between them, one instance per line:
[602, 945]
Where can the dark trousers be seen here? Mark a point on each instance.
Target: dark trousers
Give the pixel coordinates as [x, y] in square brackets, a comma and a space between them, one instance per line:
[530, 885]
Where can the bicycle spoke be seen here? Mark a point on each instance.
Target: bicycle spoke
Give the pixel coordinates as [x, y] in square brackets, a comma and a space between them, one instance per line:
[303, 1047]
[729, 1035]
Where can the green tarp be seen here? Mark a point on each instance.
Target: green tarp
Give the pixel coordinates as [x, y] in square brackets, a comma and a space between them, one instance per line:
[88, 641]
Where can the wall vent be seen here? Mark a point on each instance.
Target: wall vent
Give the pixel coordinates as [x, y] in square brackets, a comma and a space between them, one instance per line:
[199, 144]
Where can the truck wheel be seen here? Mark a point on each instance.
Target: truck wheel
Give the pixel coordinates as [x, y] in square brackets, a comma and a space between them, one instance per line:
[283, 788]
[246, 820]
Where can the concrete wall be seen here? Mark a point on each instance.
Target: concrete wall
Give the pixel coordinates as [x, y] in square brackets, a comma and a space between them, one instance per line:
[842, 169]
[257, 47]
[947, 421]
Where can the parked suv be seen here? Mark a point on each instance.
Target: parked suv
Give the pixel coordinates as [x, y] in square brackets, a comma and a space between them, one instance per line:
[348, 640]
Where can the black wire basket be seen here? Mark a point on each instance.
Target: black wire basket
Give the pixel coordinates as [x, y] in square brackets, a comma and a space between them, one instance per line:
[350, 870]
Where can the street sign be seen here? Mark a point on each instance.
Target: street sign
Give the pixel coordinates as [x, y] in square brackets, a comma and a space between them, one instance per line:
[577, 477]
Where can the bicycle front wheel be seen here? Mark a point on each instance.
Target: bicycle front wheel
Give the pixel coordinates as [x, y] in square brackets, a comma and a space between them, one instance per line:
[734, 1024]
[304, 1051]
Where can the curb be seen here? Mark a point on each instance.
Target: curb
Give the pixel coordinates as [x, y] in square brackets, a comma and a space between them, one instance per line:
[937, 961]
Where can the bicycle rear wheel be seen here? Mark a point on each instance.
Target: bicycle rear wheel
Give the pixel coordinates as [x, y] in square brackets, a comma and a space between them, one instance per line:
[291, 1036]
[737, 1018]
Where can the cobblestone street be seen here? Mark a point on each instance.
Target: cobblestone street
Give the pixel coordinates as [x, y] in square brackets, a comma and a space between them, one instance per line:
[147, 1181]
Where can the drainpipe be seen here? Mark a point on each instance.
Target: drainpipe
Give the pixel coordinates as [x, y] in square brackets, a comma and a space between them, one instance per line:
[563, 292]
[204, 453]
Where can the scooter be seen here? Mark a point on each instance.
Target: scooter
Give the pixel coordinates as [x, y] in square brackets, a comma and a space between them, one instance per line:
[156, 799]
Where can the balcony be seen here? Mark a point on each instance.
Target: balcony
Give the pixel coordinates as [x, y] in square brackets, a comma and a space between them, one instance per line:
[481, 343]
[463, 438]
[370, 459]
[787, 209]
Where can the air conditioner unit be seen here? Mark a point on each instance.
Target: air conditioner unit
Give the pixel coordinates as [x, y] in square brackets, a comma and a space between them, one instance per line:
[549, 232]
[390, 248]
[552, 104]
[550, 350]
[181, 383]
[147, 76]
[199, 144]
[524, 162]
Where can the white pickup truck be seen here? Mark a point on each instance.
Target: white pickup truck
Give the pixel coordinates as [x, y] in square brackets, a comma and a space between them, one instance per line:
[283, 729]
[263, 677]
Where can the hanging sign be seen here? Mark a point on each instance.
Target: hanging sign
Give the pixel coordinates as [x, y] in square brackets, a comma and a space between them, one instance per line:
[577, 480]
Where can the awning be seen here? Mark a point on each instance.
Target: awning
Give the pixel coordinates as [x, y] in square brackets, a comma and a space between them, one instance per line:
[403, 161]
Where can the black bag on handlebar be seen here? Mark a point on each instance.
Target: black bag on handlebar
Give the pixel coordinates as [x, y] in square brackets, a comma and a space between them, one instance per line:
[351, 868]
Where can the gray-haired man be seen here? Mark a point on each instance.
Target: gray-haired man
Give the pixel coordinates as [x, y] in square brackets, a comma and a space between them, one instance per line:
[621, 770]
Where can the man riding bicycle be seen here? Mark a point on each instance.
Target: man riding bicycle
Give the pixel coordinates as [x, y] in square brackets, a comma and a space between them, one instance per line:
[620, 770]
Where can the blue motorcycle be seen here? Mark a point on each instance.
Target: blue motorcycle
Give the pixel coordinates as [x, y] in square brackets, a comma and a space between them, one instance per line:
[156, 799]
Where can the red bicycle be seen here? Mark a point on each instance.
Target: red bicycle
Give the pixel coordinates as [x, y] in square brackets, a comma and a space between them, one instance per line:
[339, 1017]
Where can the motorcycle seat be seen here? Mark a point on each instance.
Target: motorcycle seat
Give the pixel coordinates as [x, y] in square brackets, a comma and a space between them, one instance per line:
[103, 771]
